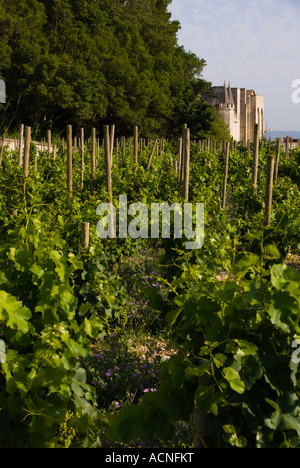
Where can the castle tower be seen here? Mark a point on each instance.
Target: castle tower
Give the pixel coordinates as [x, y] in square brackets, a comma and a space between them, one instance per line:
[240, 109]
[227, 109]
[230, 96]
[224, 96]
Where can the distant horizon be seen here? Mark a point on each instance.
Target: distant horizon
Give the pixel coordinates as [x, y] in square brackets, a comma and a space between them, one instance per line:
[284, 133]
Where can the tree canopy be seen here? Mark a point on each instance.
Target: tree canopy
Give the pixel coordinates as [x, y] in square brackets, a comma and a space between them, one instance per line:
[89, 62]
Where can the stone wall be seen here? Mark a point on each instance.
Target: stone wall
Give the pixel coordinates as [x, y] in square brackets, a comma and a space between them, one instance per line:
[240, 109]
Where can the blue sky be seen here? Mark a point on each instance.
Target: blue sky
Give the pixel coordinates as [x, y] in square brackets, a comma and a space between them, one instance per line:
[254, 44]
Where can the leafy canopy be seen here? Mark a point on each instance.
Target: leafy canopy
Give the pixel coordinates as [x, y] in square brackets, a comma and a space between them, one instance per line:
[90, 62]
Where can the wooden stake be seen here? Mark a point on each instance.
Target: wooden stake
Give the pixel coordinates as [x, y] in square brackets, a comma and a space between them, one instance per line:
[201, 419]
[85, 235]
[107, 154]
[21, 145]
[287, 147]
[179, 158]
[26, 152]
[225, 175]
[2, 148]
[269, 188]
[255, 156]
[124, 146]
[186, 179]
[112, 135]
[161, 148]
[183, 158]
[135, 143]
[82, 158]
[117, 149]
[35, 162]
[277, 158]
[49, 141]
[69, 160]
[151, 155]
[231, 144]
[93, 155]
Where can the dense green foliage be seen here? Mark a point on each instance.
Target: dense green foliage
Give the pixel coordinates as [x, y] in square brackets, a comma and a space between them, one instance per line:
[235, 335]
[96, 61]
[220, 323]
[230, 310]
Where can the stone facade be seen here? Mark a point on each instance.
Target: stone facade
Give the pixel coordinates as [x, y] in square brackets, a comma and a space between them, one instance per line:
[240, 109]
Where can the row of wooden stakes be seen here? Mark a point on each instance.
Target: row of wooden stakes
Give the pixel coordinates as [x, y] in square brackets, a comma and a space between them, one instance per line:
[182, 165]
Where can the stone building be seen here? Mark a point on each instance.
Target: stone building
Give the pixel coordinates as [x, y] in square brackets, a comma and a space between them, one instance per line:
[240, 109]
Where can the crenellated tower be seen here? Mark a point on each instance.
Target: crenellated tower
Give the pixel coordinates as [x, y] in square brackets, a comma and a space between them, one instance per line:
[240, 109]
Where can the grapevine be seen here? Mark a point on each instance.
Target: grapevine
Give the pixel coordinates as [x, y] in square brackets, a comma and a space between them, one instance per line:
[64, 308]
[66, 431]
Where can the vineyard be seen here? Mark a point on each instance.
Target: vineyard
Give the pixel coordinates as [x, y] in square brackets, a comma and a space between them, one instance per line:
[142, 342]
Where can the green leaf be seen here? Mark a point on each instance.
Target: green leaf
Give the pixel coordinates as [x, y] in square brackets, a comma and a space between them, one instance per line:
[273, 404]
[181, 300]
[77, 264]
[233, 377]
[220, 359]
[233, 438]
[14, 313]
[283, 310]
[172, 316]
[251, 371]
[279, 420]
[22, 258]
[245, 348]
[93, 326]
[271, 251]
[111, 299]
[247, 263]
[197, 371]
[285, 277]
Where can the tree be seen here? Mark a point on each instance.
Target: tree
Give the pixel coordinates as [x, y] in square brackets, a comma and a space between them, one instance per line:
[90, 62]
[205, 122]
[24, 43]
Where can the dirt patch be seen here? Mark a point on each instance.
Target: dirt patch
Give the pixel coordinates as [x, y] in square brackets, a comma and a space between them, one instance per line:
[293, 261]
